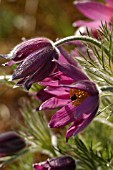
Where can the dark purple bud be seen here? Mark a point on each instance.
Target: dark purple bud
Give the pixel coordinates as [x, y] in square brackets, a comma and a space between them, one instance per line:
[60, 163]
[36, 60]
[41, 73]
[10, 143]
[22, 50]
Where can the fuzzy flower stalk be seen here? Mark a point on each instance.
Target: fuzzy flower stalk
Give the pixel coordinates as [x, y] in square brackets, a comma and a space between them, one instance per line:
[74, 93]
[59, 163]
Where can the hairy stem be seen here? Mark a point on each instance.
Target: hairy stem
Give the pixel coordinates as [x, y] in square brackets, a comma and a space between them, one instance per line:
[107, 88]
[82, 38]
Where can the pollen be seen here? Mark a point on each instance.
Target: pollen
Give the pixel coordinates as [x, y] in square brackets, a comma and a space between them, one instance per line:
[78, 96]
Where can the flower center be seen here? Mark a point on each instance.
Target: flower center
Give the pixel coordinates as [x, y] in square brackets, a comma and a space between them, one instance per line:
[78, 96]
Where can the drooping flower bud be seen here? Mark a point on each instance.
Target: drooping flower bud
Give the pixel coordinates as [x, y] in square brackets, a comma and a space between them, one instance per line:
[10, 143]
[36, 60]
[59, 163]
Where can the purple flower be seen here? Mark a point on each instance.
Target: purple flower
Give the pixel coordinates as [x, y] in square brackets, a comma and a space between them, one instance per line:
[59, 163]
[97, 12]
[10, 143]
[35, 57]
[76, 95]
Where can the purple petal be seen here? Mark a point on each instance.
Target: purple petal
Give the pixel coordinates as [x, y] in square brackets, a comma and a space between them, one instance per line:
[40, 167]
[52, 80]
[57, 91]
[41, 74]
[84, 85]
[73, 128]
[43, 95]
[62, 59]
[63, 117]
[79, 125]
[72, 71]
[56, 80]
[49, 82]
[87, 107]
[95, 10]
[21, 51]
[90, 24]
[55, 102]
[67, 56]
[65, 80]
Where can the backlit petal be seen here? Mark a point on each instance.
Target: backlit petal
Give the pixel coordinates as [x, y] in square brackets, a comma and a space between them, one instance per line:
[110, 3]
[95, 10]
[90, 24]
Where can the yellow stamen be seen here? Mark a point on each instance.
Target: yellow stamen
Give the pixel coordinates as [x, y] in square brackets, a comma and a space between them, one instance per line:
[78, 96]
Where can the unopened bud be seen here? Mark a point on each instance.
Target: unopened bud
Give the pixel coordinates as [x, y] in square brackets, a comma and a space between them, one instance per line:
[10, 143]
[59, 163]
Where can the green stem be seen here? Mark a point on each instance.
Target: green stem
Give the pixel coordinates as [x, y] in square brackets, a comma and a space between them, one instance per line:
[82, 38]
[107, 88]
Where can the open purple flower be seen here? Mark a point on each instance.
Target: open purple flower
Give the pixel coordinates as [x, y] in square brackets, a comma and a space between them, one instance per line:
[59, 163]
[76, 95]
[97, 12]
[35, 57]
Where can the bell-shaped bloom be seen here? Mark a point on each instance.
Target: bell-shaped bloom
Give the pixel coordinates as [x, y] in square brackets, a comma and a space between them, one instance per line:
[35, 60]
[59, 163]
[97, 12]
[76, 96]
[10, 143]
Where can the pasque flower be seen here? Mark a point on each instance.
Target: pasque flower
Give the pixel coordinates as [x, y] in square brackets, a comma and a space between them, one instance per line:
[97, 12]
[59, 163]
[10, 143]
[76, 96]
[35, 60]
